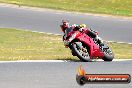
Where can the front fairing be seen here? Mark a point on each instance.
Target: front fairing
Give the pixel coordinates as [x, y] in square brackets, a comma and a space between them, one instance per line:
[94, 48]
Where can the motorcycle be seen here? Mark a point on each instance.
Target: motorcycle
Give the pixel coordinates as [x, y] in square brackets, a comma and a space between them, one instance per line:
[86, 48]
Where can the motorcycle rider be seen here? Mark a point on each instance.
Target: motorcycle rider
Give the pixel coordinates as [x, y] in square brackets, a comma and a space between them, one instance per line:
[91, 33]
[66, 26]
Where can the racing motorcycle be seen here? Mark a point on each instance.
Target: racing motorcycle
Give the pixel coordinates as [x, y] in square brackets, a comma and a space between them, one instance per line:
[87, 48]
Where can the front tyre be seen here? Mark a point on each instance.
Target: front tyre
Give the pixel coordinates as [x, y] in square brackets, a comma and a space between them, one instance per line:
[80, 51]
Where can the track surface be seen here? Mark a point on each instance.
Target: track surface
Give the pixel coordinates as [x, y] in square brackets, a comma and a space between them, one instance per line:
[58, 75]
[112, 29]
[61, 75]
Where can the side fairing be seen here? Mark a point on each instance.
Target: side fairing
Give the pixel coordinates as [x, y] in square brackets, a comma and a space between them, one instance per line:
[94, 49]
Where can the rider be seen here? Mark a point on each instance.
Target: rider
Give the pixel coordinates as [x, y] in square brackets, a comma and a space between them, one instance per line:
[93, 34]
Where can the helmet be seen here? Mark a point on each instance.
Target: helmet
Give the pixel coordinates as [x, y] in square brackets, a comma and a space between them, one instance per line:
[64, 25]
[83, 26]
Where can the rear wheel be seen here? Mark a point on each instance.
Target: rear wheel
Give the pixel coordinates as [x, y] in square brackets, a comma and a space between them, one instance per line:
[108, 53]
[80, 51]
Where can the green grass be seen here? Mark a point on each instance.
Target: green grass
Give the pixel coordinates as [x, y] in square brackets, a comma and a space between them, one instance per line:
[114, 7]
[27, 45]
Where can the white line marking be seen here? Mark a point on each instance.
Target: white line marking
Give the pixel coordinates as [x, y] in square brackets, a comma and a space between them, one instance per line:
[52, 61]
[120, 42]
[115, 59]
[19, 61]
[61, 35]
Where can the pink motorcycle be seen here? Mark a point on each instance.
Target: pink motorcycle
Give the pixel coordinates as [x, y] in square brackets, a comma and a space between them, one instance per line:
[86, 48]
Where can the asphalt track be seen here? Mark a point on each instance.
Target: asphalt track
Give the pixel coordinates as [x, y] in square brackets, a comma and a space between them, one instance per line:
[58, 75]
[110, 28]
[61, 75]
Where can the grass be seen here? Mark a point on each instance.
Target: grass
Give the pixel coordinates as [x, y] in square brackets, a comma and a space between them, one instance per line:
[27, 45]
[114, 7]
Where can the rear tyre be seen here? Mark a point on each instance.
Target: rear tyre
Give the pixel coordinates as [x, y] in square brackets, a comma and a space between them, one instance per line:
[82, 54]
[108, 54]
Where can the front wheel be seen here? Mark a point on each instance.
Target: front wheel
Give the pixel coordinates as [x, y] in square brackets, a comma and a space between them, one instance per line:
[108, 54]
[80, 51]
